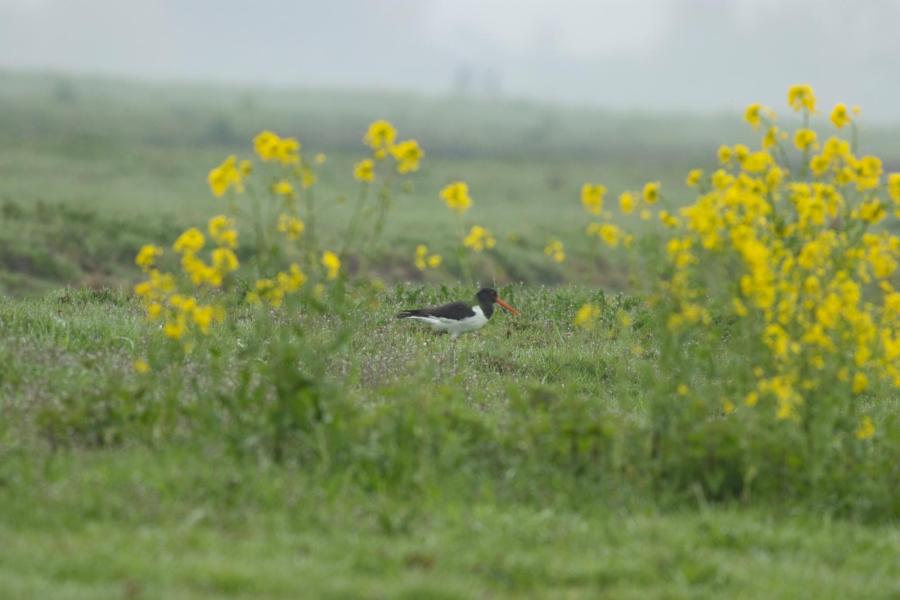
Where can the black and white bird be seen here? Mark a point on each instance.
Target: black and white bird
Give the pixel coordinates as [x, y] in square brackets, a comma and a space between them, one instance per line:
[459, 317]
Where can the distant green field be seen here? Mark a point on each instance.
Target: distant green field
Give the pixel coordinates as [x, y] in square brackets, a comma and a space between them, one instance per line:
[131, 160]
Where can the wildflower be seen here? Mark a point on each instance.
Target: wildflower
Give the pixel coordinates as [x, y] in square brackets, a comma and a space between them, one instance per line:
[332, 264]
[272, 147]
[292, 227]
[424, 260]
[224, 260]
[320, 159]
[479, 239]
[592, 197]
[894, 187]
[804, 139]
[651, 192]
[587, 316]
[190, 241]
[802, 97]
[364, 170]
[751, 399]
[147, 256]
[840, 116]
[380, 138]
[860, 383]
[724, 154]
[626, 202]
[456, 196]
[291, 280]
[555, 251]
[694, 177]
[174, 329]
[221, 230]
[228, 175]
[866, 429]
[408, 155]
[284, 188]
[609, 233]
[770, 139]
[141, 366]
[753, 115]
[682, 390]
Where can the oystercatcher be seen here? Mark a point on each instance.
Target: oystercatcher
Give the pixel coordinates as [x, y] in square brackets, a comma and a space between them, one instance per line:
[459, 317]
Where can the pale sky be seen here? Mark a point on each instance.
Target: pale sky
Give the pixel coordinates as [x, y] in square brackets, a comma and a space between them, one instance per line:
[648, 54]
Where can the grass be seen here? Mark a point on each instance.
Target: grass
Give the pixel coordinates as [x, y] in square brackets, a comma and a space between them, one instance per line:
[514, 462]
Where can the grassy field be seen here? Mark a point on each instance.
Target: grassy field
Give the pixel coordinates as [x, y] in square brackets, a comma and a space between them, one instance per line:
[348, 455]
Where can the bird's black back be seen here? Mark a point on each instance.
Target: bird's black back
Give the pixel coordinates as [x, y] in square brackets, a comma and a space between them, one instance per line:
[454, 310]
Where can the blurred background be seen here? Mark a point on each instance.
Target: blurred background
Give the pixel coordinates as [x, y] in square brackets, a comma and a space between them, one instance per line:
[112, 112]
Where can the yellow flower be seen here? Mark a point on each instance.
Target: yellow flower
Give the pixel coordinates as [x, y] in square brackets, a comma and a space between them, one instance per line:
[751, 399]
[587, 316]
[380, 137]
[592, 197]
[694, 177]
[292, 227]
[283, 188]
[141, 366]
[724, 154]
[683, 390]
[221, 230]
[804, 139]
[651, 192]
[456, 196]
[802, 97]
[479, 239]
[424, 261]
[190, 241]
[609, 233]
[224, 260]
[753, 115]
[626, 202]
[556, 251]
[771, 138]
[364, 170]
[408, 155]
[174, 329]
[866, 429]
[840, 116]
[271, 147]
[860, 383]
[320, 159]
[332, 264]
[147, 256]
[226, 176]
[894, 187]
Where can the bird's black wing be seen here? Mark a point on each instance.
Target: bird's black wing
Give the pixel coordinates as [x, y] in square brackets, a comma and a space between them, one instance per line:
[455, 310]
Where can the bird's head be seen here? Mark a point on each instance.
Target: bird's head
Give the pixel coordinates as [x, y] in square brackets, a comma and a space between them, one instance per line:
[490, 296]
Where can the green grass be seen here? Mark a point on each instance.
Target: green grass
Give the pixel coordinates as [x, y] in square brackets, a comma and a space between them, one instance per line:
[525, 460]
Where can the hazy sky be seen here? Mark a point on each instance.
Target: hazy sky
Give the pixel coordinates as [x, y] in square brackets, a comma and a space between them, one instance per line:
[699, 54]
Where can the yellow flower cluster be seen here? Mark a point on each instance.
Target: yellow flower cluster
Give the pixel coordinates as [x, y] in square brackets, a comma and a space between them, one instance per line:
[364, 170]
[456, 196]
[610, 234]
[811, 269]
[332, 264]
[592, 197]
[271, 147]
[479, 239]
[587, 316]
[555, 251]
[381, 138]
[273, 290]
[424, 260]
[229, 174]
[290, 226]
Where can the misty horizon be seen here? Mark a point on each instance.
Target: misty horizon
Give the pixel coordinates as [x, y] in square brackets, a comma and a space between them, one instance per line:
[696, 55]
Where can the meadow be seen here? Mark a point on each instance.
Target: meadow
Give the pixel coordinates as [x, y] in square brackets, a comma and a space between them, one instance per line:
[316, 447]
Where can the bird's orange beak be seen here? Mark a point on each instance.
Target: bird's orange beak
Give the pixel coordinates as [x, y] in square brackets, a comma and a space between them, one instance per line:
[508, 308]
